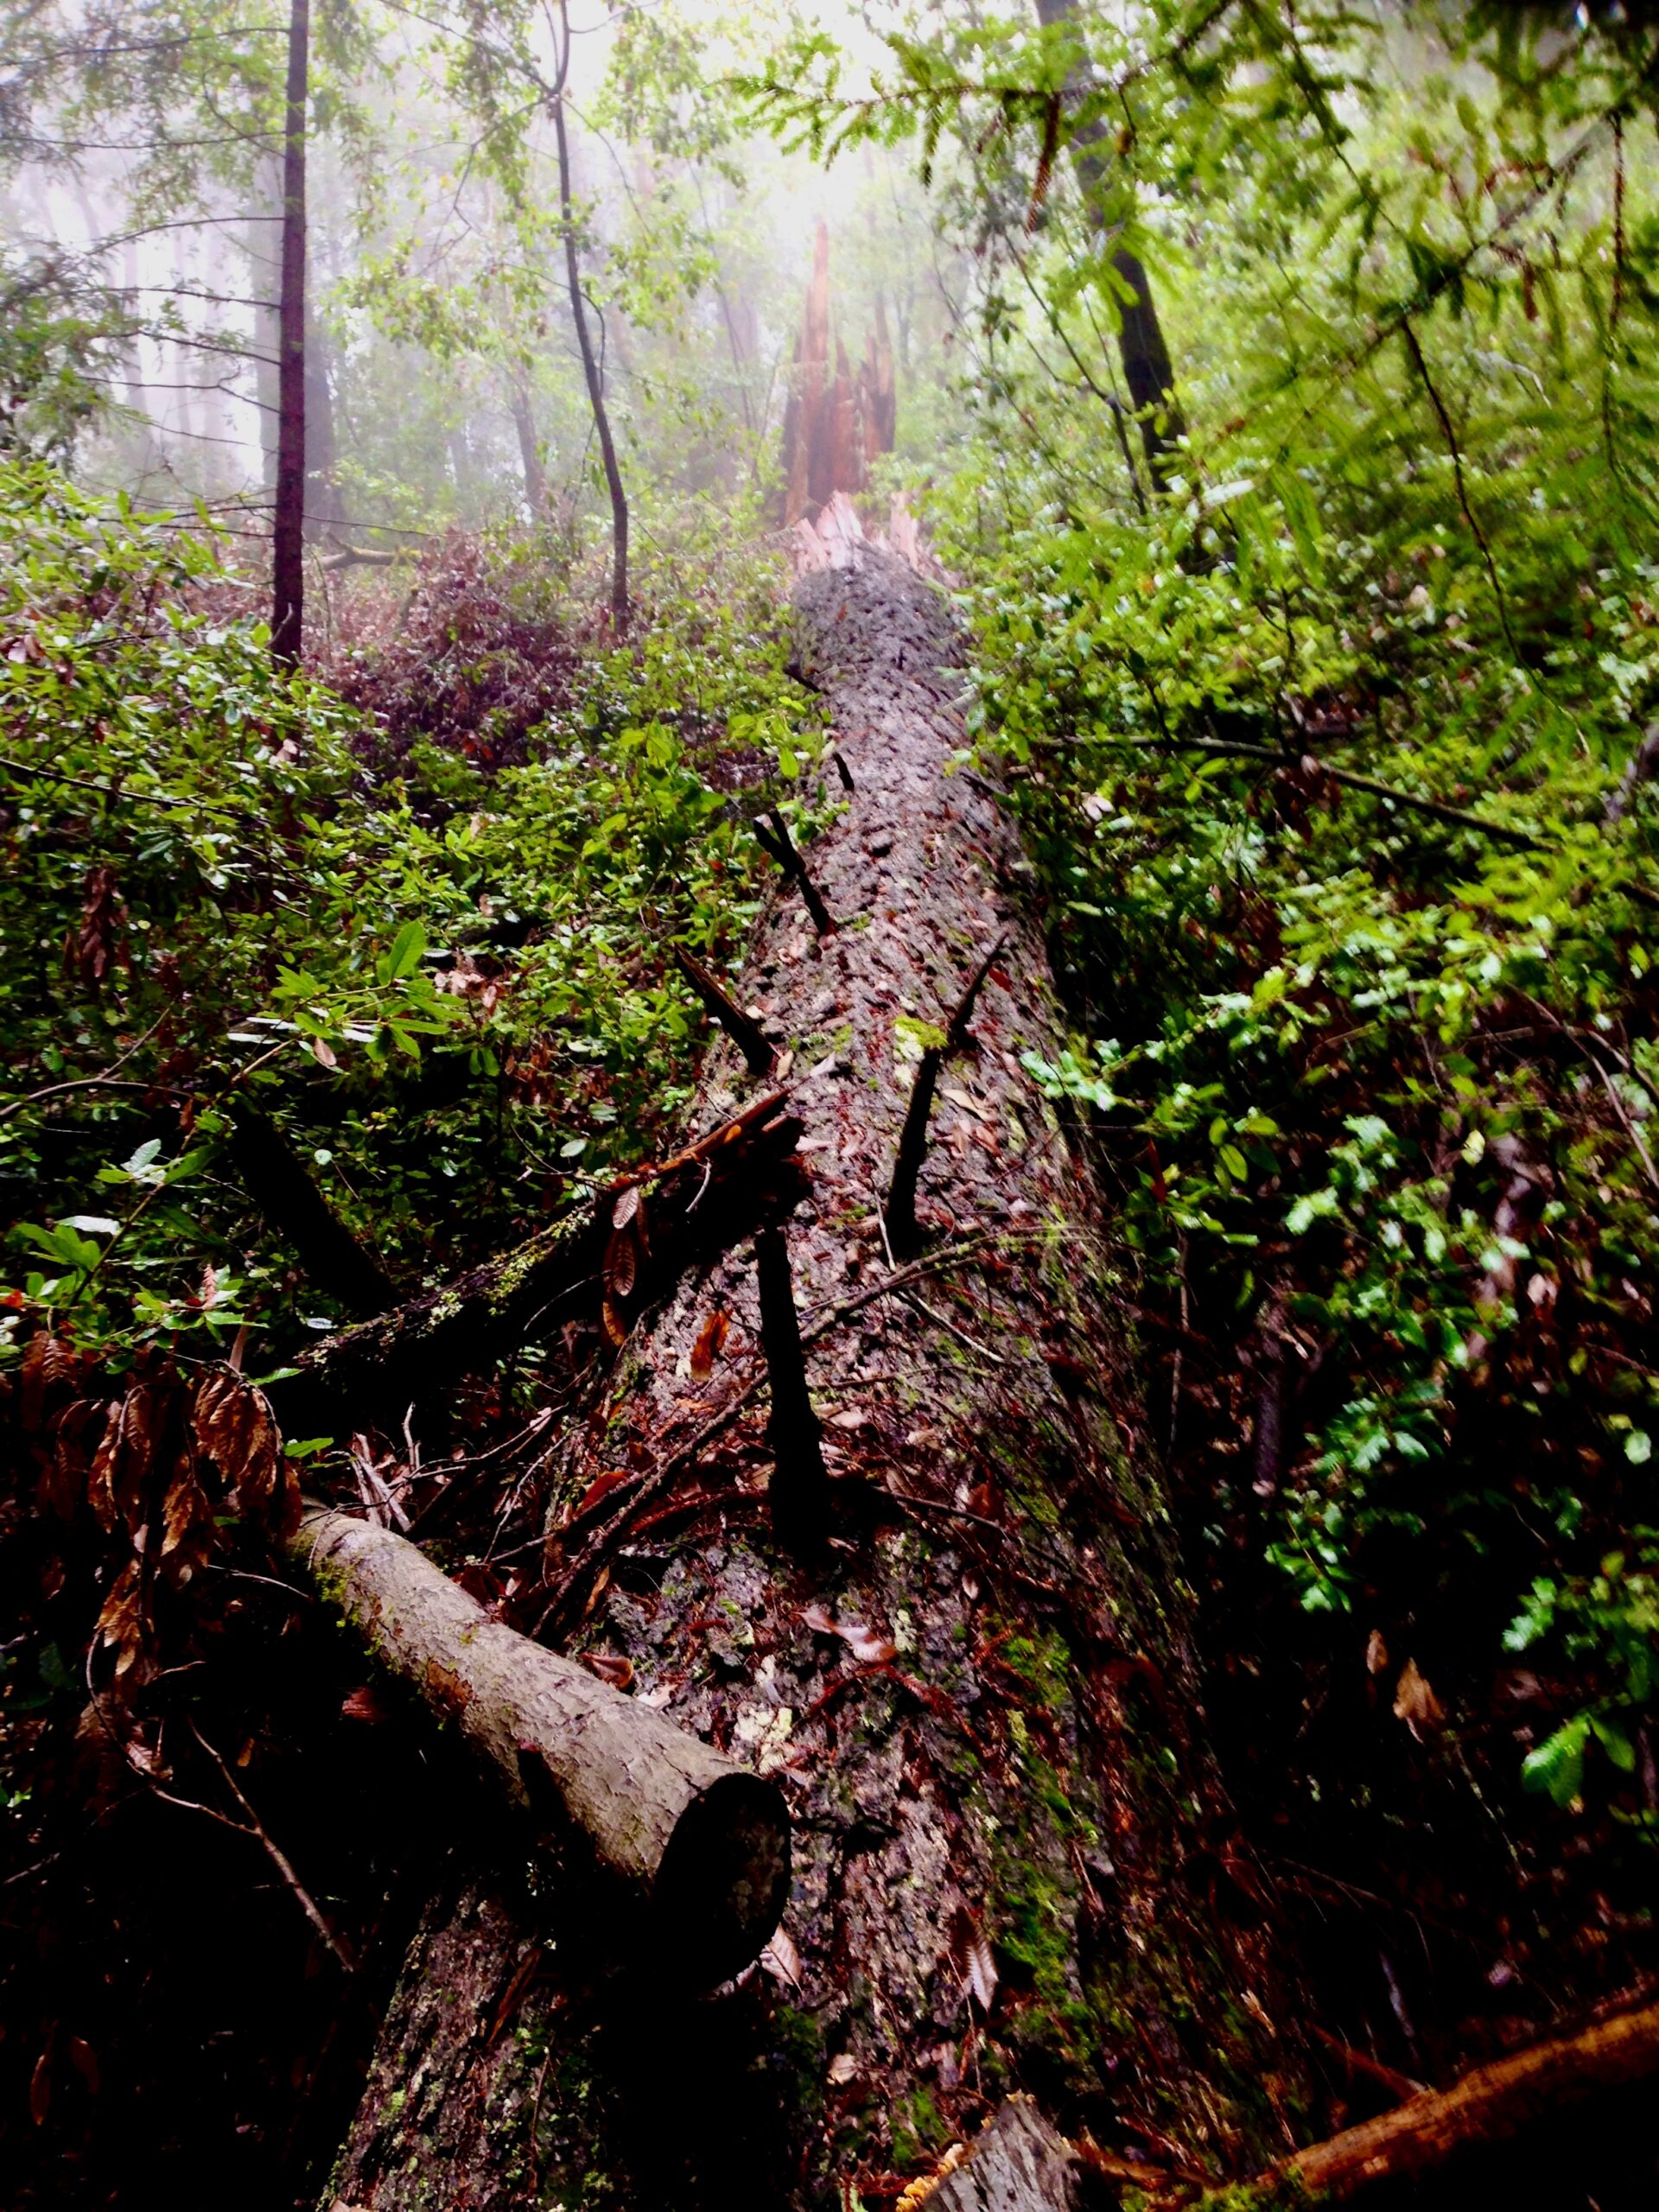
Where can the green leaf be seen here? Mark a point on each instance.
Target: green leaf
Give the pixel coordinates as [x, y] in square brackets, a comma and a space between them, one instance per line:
[1613, 1740]
[407, 948]
[1556, 1768]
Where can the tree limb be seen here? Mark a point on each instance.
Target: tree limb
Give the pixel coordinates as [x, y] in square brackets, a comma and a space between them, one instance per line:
[591, 1265]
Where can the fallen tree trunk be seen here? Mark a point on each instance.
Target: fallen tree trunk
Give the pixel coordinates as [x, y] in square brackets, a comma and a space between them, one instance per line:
[588, 1268]
[701, 1843]
[980, 1697]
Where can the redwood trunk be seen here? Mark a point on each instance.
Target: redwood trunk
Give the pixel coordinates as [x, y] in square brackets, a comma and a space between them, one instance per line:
[980, 1700]
[288, 532]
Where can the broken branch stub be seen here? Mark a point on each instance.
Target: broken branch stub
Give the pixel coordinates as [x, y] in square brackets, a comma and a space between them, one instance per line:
[772, 831]
[701, 1842]
[800, 1482]
[743, 1030]
[903, 1234]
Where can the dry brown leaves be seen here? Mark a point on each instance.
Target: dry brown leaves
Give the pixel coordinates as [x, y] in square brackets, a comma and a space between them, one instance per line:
[1415, 1703]
[157, 1462]
[625, 1259]
[93, 948]
[711, 1339]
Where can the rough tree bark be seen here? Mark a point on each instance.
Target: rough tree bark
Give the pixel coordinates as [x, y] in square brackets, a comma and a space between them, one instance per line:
[1013, 1865]
[288, 520]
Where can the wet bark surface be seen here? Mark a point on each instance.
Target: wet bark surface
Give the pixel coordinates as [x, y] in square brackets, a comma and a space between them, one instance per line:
[1013, 1869]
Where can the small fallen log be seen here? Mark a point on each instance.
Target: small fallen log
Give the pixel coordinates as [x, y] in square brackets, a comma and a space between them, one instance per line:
[701, 1845]
[1487, 2106]
[601, 1264]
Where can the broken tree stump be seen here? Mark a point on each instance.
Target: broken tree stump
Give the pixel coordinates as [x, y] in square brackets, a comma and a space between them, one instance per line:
[1017, 2162]
[702, 1843]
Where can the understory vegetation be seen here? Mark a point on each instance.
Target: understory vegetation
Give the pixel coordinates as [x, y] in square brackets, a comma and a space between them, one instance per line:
[1323, 688]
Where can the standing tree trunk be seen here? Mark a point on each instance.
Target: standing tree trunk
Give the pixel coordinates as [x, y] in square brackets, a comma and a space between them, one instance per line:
[1141, 345]
[530, 450]
[288, 532]
[264, 252]
[591, 367]
[980, 1697]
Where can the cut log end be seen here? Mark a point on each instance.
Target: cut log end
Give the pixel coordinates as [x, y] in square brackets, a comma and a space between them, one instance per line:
[724, 1880]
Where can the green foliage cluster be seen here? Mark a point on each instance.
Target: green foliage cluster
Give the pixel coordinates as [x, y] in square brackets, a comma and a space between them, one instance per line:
[451, 992]
[1379, 1083]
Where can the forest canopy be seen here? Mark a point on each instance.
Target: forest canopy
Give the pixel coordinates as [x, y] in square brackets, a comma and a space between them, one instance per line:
[428, 833]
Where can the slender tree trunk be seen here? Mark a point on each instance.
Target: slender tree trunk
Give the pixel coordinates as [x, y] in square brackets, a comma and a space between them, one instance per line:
[530, 451]
[591, 367]
[264, 259]
[1141, 343]
[980, 1697]
[322, 511]
[288, 532]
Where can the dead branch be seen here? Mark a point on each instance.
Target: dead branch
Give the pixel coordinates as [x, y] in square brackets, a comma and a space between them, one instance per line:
[593, 1265]
[773, 832]
[800, 1482]
[698, 1842]
[743, 1030]
[279, 1858]
[283, 1189]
